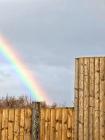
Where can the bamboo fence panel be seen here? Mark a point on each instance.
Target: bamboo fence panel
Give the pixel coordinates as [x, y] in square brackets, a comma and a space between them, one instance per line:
[90, 98]
[57, 124]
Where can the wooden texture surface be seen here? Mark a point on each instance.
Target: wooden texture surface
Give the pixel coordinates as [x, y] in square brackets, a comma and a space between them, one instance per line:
[57, 124]
[81, 99]
[90, 98]
[15, 124]
[76, 100]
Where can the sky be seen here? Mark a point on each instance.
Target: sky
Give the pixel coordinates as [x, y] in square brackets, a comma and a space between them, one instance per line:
[49, 35]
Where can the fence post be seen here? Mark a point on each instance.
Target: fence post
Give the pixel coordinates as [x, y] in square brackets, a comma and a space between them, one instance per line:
[36, 106]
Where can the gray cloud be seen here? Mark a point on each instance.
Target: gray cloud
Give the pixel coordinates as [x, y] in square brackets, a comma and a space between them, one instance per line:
[50, 34]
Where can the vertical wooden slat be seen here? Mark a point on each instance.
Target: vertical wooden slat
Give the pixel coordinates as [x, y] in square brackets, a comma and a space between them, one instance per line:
[42, 125]
[81, 98]
[97, 99]
[91, 105]
[5, 124]
[0, 123]
[16, 124]
[47, 124]
[64, 124]
[86, 99]
[102, 98]
[73, 122]
[69, 124]
[11, 125]
[53, 124]
[76, 102]
[28, 124]
[58, 124]
[22, 122]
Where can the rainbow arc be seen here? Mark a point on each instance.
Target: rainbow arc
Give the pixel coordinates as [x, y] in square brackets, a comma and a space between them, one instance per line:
[36, 91]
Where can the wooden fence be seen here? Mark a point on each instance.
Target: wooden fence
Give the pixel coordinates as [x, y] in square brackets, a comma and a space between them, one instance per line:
[90, 99]
[57, 124]
[87, 123]
[15, 124]
[19, 124]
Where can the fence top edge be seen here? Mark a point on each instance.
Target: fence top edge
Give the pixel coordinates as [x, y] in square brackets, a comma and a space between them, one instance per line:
[57, 107]
[90, 57]
[28, 107]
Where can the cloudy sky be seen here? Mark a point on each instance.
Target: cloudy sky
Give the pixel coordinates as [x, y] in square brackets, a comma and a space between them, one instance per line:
[49, 34]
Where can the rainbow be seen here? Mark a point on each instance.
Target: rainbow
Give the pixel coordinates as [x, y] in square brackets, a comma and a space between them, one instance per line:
[22, 72]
